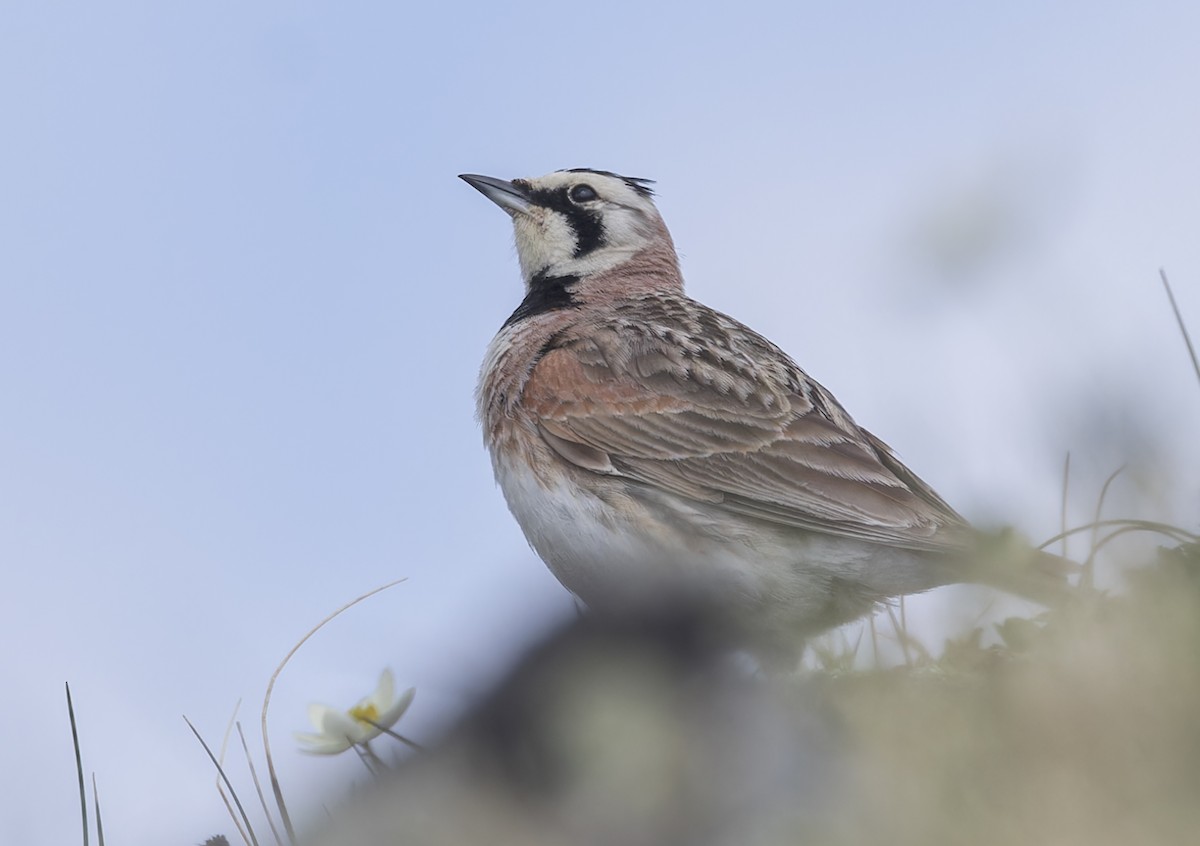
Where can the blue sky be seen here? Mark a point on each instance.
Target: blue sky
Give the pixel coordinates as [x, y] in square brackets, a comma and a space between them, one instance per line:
[243, 302]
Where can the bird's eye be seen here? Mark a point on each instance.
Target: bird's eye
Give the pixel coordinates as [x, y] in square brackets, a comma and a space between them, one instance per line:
[583, 194]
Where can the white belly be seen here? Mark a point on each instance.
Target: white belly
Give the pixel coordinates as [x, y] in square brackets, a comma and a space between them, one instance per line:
[619, 549]
[625, 550]
[594, 549]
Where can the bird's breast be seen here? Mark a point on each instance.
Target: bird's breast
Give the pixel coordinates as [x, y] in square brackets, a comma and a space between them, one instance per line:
[611, 542]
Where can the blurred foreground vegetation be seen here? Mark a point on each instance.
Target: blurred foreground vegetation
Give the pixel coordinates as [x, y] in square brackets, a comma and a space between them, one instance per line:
[1081, 726]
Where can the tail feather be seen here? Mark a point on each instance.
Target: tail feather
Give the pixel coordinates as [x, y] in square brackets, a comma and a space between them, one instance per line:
[1004, 560]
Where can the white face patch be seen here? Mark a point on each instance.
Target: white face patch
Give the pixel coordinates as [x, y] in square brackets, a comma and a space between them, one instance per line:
[567, 232]
[545, 242]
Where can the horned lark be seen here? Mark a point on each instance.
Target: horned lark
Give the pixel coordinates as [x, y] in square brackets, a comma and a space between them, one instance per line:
[650, 446]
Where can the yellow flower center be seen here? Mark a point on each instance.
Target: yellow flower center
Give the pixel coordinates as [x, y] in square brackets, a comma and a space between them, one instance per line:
[365, 714]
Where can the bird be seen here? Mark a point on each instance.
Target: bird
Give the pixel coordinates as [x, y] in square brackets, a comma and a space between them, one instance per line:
[653, 449]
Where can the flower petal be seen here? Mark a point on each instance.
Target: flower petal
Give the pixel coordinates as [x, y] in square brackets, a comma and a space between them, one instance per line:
[316, 715]
[338, 730]
[339, 725]
[388, 718]
[385, 691]
[321, 744]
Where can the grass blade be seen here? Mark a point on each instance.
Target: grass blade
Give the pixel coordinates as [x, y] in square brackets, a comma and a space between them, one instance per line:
[1175, 533]
[262, 800]
[1088, 580]
[283, 813]
[225, 778]
[96, 803]
[1066, 489]
[1187, 339]
[78, 765]
[411, 744]
[237, 823]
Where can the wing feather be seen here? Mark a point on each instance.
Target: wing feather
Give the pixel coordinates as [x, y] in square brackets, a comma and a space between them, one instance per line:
[685, 399]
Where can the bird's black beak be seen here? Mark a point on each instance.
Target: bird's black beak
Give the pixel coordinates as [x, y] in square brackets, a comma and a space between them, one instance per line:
[512, 198]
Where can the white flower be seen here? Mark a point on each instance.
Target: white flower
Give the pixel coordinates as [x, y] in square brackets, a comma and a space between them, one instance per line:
[339, 730]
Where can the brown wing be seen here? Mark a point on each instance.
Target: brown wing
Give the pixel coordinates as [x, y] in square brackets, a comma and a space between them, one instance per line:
[688, 400]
